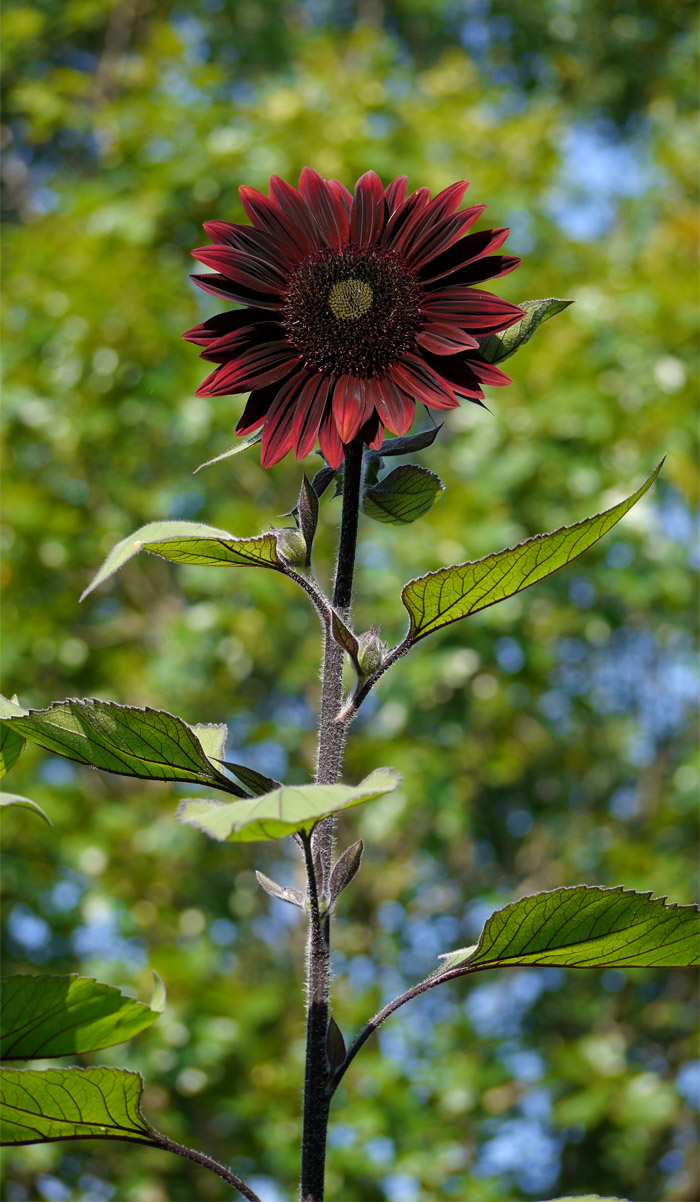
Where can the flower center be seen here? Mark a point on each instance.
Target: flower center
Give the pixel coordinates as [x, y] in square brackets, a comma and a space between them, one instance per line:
[353, 311]
[350, 299]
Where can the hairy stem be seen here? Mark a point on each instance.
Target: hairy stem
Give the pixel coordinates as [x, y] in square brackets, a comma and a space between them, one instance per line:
[438, 978]
[331, 736]
[316, 1094]
[331, 739]
[169, 1145]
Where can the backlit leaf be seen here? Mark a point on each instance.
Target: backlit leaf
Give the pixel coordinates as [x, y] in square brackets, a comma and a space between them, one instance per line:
[286, 810]
[71, 1103]
[11, 747]
[146, 743]
[191, 543]
[445, 596]
[14, 799]
[586, 927]
[498, 347]
[243, 445]
[46, 1016]
[403, 496]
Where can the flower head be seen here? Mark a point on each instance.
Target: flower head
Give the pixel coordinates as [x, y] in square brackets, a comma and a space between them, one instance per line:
[355, 307]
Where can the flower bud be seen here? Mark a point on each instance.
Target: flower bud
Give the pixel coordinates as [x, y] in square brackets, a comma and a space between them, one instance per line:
[291, 545]
[370, 652]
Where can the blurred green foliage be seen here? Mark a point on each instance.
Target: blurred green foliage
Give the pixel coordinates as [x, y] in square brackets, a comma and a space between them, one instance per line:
[544, 742]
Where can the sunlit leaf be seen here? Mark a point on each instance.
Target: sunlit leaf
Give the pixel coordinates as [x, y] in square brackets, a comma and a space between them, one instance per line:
[71, 1103]
[586, 927]
[150, 744]
[46, 1016]
[286, 810]
[14, 799]
[243, 445]
[445, 596]
[191, 543]
[497, 347]
[403, 496]
[11, 747]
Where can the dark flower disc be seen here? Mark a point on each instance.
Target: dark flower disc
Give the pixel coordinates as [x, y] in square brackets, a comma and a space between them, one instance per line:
[354, 308]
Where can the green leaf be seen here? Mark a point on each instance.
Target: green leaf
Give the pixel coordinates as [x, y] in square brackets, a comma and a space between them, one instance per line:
[255, 782]
[46, 1016]
[288, 809]
[406, 445]
[243, 445]
[11, 748]
[403, 496]
[146, 743]
[445, 596]
[498, 347]
[14, 799]
[586, 927]
[191, 543]
[71, 1103]
[587, 1198]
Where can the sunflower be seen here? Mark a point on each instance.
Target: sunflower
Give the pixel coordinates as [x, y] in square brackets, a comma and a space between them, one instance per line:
[355, 307]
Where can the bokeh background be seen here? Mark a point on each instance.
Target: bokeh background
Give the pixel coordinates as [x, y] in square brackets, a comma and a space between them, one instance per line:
[546, 742]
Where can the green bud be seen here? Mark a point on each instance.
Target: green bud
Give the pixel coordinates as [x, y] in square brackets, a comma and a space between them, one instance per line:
[370, 652]
[291, 545]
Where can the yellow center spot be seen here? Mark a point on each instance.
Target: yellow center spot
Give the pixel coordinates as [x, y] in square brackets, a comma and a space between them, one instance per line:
[350, 299]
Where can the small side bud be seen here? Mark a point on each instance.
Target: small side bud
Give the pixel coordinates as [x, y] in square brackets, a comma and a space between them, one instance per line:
[291, 545]
[345, 869]
[370, 652]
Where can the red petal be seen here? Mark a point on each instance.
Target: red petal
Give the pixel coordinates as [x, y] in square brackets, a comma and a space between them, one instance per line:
[266, 215]
[457, 369]
[220, 285]
[311, 407]
[278, 430]
[467, 250]
[327, 206]
[243, 268]
[252, 369]
[470, 307]
[366, 216]
[448, 201]
[295, 208]
[488, 374]
[231, 345]
[485, 269]
[216, 327]
[351, 409]
[445, 339]
[373, 433]
[344, 194]
[404, 217]
[329, 440]
[395, 194]
[415, 377]
[259, 244]
[256, 409]
[395, 409]
[431, 240]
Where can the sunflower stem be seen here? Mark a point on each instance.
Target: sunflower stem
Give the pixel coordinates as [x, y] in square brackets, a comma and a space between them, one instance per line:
[319, 855]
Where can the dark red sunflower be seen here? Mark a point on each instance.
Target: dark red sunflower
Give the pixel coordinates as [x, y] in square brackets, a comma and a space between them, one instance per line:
[355, 308]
